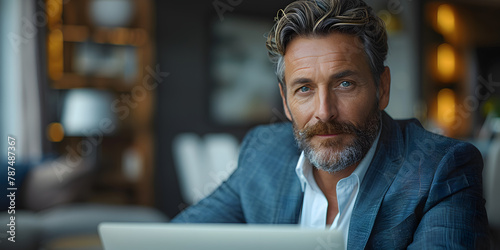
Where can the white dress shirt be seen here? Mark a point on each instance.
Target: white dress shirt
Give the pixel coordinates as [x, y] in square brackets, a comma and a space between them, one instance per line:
[315, 204]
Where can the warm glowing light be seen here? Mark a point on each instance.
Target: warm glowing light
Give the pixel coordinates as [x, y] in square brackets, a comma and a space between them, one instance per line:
[446, 107]
[54, 13]
[55, 54]
[446, 62]
[445, 19]
[55, 132]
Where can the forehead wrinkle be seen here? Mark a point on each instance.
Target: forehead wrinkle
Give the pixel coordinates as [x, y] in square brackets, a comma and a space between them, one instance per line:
[328, 55]
[332, 66]
[329, 63]
[314, 60]
[299, 73]
[303, 68]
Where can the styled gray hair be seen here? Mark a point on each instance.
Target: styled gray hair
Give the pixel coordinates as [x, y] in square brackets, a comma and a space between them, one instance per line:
[309, 18]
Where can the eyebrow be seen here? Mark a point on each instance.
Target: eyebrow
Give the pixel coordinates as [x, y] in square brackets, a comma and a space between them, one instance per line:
[342, 74]
[333, 77]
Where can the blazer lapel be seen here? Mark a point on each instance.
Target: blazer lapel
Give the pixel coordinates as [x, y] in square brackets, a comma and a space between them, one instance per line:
[380, 175]
[290, 195]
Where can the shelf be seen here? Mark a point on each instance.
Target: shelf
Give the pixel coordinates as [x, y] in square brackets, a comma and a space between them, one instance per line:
[118, 36]
[72, 80]
[81, 54]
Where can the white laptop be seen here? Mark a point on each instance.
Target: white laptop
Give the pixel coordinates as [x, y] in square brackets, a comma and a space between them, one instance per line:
[169, 236]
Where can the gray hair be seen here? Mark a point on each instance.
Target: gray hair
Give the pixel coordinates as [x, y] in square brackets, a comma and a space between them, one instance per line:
[308, 18]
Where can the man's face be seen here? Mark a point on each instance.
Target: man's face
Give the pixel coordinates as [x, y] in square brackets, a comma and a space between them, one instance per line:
[331, 99]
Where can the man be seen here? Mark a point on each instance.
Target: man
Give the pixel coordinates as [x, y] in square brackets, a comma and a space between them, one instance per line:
[343, 163]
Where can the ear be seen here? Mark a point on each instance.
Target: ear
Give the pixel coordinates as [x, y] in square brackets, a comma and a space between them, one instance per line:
[285, 105]
[384, 89]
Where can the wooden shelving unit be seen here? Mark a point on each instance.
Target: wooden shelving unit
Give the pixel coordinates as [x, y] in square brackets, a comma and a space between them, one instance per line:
[70, 33]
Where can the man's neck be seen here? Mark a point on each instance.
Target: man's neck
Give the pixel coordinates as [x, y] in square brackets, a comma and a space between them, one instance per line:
[327, 182]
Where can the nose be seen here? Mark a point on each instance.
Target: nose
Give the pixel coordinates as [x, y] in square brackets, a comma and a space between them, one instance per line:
[326, 106]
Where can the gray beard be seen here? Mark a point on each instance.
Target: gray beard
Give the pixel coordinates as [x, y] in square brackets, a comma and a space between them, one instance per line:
[334, 161]
[330, 160]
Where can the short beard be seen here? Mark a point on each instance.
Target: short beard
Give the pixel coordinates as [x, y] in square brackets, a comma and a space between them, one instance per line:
[325, 157]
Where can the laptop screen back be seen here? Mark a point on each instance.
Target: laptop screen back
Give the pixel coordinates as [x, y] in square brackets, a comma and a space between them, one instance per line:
[153, 236]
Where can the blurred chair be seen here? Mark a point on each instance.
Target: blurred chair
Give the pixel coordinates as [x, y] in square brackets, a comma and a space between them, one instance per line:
[202, 164]
[492, 183]
[58, 181]
[74, 226]
[54, 218]
[491, 179]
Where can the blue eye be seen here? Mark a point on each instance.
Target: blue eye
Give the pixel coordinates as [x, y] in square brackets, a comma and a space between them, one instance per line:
[304, 89]
[345, 84]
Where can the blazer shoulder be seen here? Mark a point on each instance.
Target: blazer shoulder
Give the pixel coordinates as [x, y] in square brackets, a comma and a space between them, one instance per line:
[274, 137]
[279, 130]
[416, 136]
[269, 145]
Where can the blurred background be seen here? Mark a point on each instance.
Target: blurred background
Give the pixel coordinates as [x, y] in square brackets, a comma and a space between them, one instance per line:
[131, 110]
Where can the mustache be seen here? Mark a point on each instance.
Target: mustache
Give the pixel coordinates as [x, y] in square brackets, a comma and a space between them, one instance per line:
[328, 128]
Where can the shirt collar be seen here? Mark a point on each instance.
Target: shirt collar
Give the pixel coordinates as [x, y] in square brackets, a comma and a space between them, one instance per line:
[304, 167]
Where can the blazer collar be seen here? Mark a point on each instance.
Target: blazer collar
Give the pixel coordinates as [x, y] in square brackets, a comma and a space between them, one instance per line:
[291, 196]
[380, 175]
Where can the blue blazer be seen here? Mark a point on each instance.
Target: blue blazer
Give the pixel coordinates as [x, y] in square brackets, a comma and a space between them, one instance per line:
[421, 190]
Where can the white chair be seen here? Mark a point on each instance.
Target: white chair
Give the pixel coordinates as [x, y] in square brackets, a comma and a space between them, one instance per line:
[491, 180]
[202, 164]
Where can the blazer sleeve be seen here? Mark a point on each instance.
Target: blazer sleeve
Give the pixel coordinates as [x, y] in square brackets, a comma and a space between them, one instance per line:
[454, 215]
[224, 204]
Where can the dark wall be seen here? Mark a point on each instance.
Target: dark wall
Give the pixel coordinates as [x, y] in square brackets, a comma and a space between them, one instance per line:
[182, 42]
